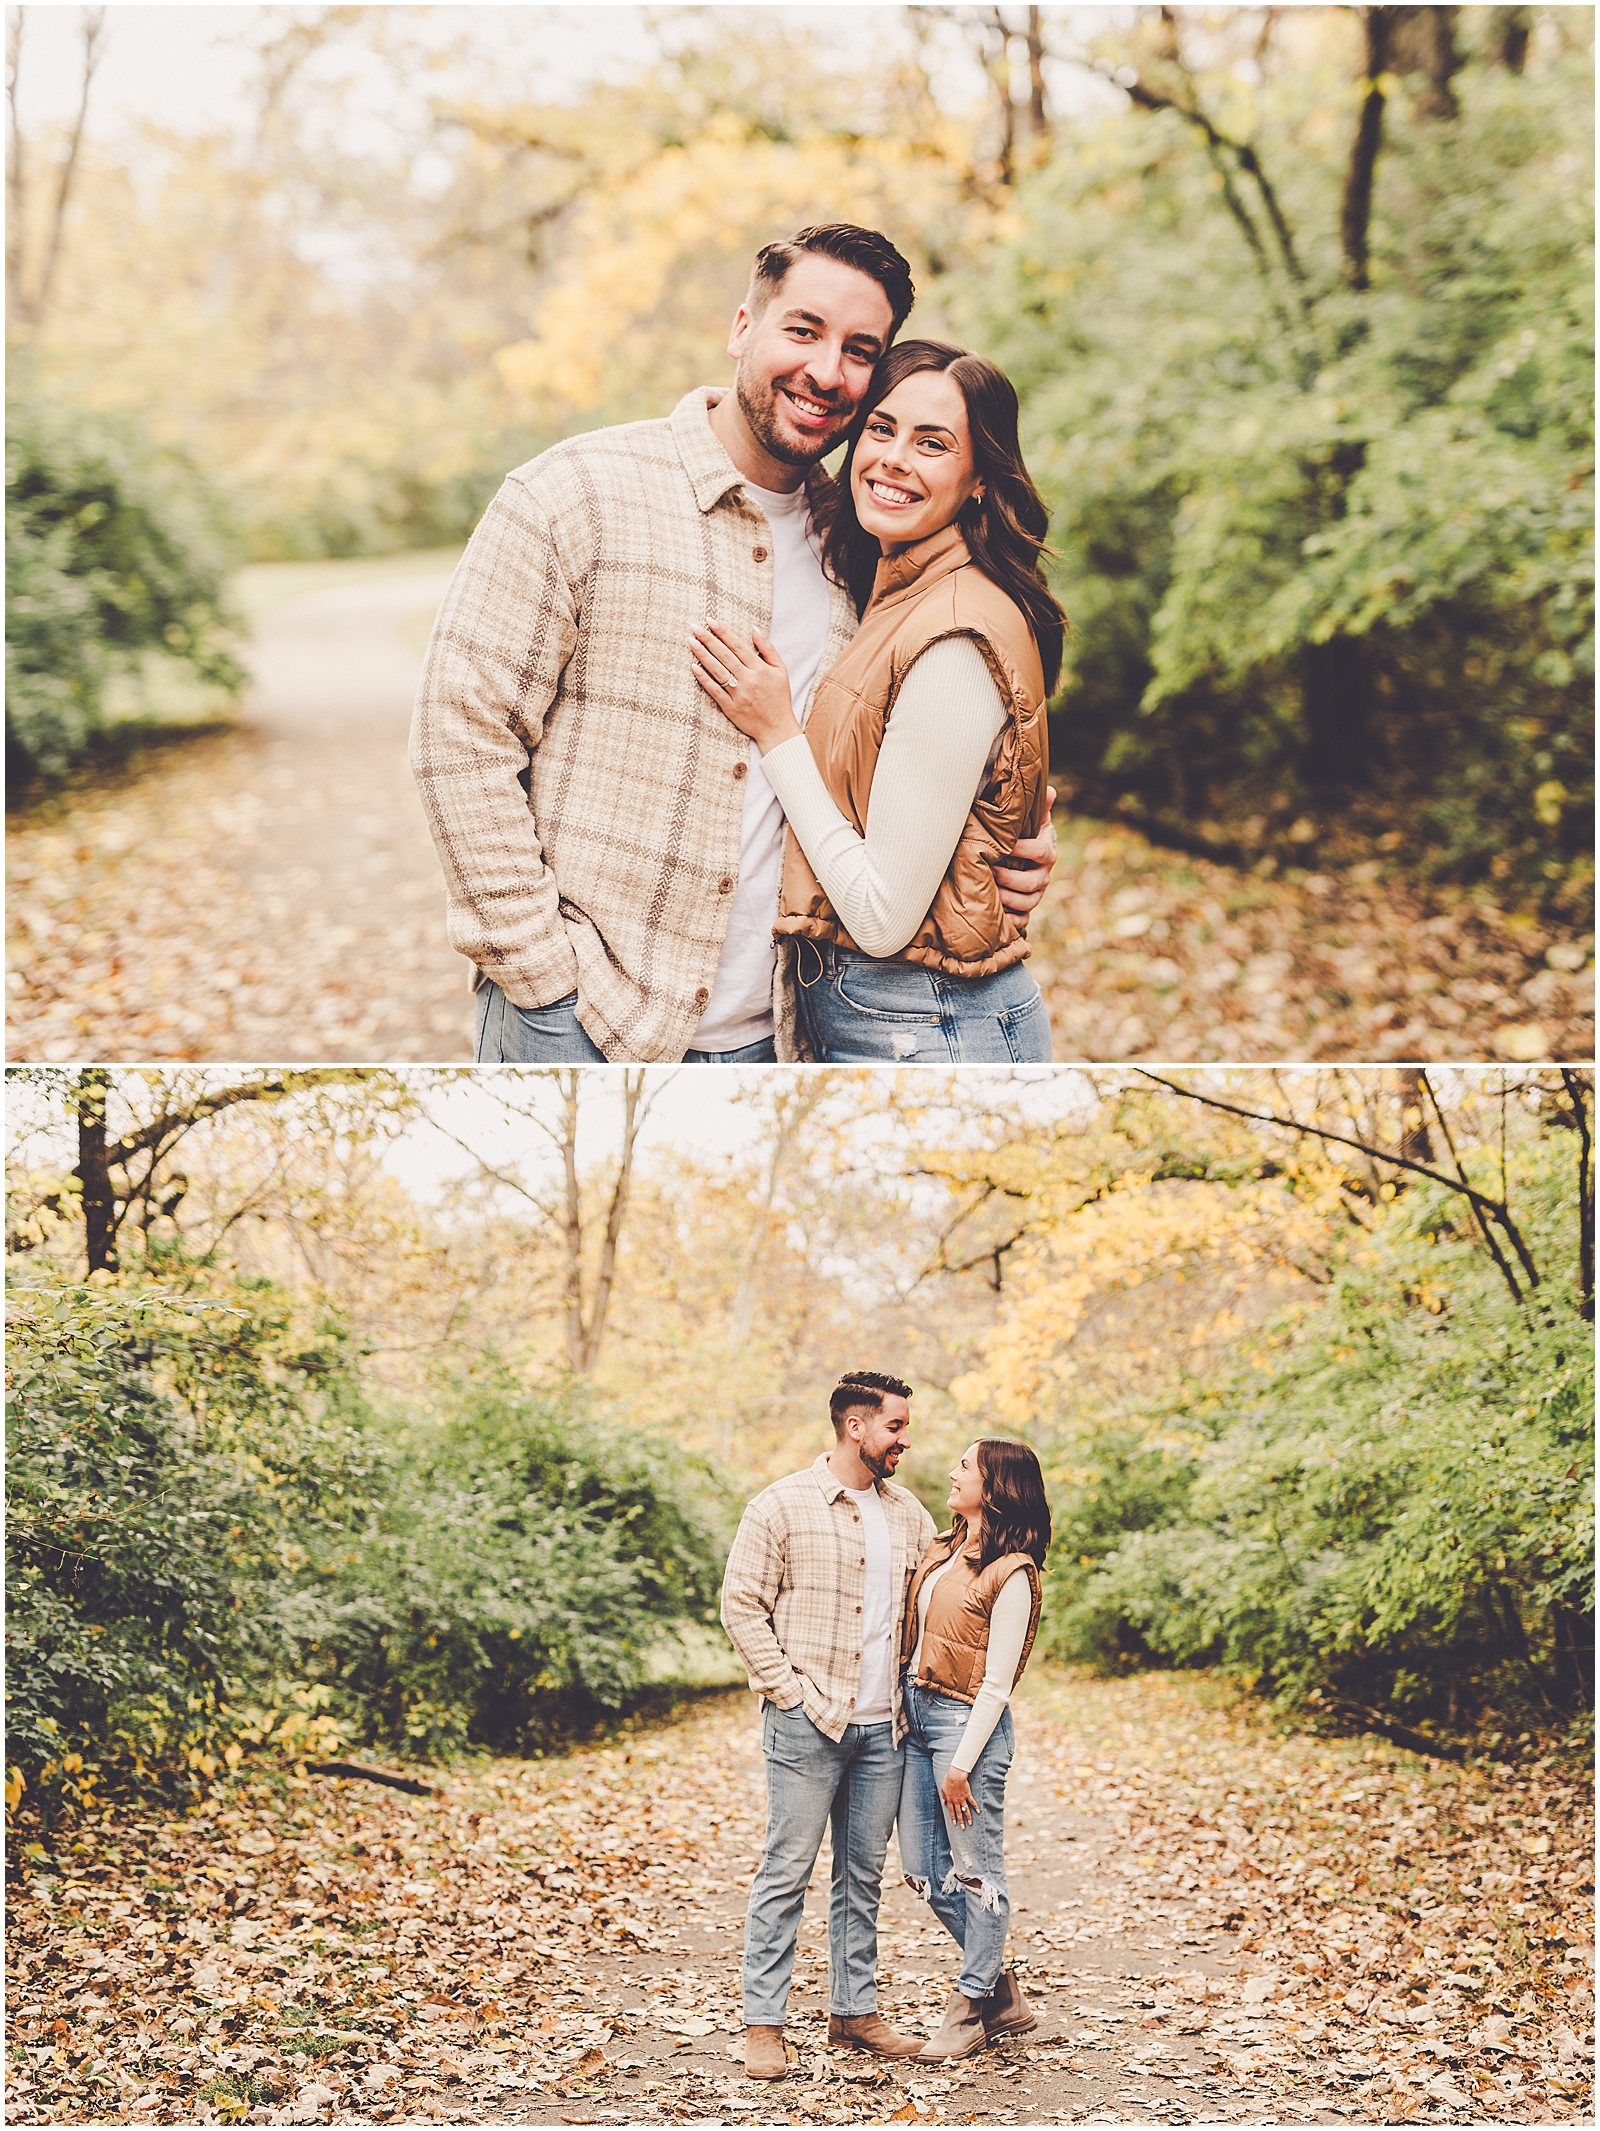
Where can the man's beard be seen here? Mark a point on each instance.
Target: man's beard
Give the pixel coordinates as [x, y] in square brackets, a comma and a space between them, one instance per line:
[879, 1463]
[761, 415]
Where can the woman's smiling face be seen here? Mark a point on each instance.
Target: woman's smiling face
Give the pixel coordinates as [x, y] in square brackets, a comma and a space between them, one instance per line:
[913, 468]
[966, 1486]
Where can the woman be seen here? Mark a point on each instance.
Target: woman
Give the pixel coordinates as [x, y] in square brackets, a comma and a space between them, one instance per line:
[971, 1616]
[924, 757]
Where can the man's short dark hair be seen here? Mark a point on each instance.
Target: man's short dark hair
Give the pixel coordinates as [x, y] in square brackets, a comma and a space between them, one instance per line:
[864, 249]
[863, 1387]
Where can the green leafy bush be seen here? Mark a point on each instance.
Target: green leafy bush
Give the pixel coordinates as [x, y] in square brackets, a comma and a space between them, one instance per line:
[214, 1545]
[1397, 1508]
[521, 1567]
[1324, 548]
[168, 1483]
[115, 553]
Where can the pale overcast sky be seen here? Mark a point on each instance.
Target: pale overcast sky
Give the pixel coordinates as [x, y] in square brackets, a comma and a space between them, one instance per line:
[692, 1107]
[187, 67]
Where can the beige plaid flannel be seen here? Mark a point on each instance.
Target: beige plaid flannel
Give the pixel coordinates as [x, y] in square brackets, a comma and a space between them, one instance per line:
[585, 797]
[793, 1588]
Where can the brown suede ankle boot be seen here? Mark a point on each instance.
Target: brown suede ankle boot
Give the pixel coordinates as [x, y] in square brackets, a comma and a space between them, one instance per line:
[1006, 2011]
[960, 2033]
[764, 2054]
[870, 2031]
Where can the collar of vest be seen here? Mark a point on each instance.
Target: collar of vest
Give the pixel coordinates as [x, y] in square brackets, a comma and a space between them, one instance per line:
[937, 556]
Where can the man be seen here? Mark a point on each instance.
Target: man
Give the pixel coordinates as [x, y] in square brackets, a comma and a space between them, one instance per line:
[611, 847]
[813, 1598]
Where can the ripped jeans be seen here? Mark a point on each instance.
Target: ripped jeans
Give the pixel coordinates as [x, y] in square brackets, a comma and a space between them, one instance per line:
[862, 1011]
[961, 1872]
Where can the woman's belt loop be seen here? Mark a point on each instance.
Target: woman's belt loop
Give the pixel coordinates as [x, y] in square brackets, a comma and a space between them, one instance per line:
[809, 983]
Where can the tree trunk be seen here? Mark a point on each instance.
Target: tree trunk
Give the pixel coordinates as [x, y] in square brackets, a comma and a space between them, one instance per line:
[1334, 702]
[586, 1326]
[16, 172]
[1424, 42]
[1416, 1143]
[633, 1109]
[569, 1084]
[1509, 31]
[1038, 111]
[1355, 213]
[1579, 1093]
[1574, 1641]
[94, 1172]
[94, 21]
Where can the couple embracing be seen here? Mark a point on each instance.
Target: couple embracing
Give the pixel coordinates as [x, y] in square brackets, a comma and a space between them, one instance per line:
[730, 762]
[885, 1655]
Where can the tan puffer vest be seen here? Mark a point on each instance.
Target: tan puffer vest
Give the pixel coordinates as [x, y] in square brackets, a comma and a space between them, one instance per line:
[931, 590]
[955, 1638]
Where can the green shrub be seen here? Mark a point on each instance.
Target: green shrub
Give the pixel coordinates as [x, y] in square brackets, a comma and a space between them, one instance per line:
[1399, 1508]
[214, 1546]
[524, 1562]
[168, 1483]
[115, 553]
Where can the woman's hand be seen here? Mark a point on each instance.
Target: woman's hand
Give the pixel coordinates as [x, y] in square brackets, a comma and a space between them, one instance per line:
[1024, 876]
[959, 1801]
[749, 685]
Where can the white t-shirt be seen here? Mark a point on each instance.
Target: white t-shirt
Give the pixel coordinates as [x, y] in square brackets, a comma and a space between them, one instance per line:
[740, 1009]
[875, 1695]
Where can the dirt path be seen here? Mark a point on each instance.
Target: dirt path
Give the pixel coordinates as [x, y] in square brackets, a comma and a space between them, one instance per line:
[1215, 1922]
[271, 893]
[264, 893]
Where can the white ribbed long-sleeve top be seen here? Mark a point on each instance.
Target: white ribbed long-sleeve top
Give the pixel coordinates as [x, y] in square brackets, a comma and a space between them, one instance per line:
[1008, 1631]
[937, 748]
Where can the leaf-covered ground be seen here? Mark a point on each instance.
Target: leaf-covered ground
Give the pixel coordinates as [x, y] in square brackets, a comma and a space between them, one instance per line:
[1216, 1921]
[272, 892]
[1145, 954]
[269, 891]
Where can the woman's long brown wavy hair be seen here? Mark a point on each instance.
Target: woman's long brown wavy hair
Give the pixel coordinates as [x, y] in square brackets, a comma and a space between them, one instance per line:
[1004, 533]
[1016, 1515]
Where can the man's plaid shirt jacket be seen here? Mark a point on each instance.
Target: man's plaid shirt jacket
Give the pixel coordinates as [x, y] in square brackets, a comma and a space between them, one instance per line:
[794, 1586]
[585, 796]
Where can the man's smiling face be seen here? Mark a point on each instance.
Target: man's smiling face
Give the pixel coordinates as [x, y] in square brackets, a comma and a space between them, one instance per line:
[805, 363]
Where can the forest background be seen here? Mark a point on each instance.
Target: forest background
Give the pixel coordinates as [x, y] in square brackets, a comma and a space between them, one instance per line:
[1297, 301]
[413, 1411]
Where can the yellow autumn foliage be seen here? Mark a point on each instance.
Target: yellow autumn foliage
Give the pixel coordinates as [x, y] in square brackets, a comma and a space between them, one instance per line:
[657, 262]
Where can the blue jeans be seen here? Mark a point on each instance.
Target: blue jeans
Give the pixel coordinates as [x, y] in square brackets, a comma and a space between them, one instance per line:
[860, 1011]
[812, 1782]
[961, 1872]
[553, 1035]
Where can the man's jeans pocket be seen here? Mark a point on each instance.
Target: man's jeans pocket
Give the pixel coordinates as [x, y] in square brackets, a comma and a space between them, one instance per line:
[532, 1035]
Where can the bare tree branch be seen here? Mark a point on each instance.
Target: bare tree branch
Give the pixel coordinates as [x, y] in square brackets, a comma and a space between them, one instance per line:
[1152, 100]
[1482, 1204]
[1501, 1213]
[94, 22]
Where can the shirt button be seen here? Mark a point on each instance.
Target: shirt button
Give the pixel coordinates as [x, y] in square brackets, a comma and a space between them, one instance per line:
[858, 1609]
[758, 554]
[725, 885]
[740, 769]
[701, 996]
